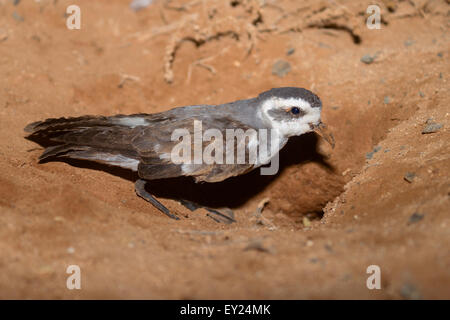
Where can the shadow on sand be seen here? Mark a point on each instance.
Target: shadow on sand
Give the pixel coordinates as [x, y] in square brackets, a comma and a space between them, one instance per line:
[232, 192]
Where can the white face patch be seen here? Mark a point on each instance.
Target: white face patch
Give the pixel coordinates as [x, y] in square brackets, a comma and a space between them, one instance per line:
[130, 121]
[294, 126]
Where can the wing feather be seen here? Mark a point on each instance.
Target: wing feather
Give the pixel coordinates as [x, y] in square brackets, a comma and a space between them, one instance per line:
[154, 146]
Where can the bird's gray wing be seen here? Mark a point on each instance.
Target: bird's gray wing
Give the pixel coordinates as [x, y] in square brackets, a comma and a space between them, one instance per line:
[139, 142]
[154, 147]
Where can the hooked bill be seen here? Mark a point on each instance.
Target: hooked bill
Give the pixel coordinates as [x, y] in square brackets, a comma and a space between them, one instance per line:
[322, 130]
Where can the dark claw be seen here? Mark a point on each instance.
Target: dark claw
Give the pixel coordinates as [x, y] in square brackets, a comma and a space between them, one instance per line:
[218, 216]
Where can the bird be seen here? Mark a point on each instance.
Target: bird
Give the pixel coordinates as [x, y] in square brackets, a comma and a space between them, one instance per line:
[144, 142]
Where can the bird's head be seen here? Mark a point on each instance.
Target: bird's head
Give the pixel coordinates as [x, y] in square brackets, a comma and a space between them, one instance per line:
[291, 111]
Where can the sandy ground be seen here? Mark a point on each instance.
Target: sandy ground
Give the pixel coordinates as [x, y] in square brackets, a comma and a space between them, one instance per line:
[331, 213]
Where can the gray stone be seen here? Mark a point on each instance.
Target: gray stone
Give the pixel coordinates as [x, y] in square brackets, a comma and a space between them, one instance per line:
[290, 51]
[17, 17]
[409, 43]
[281, 68]
[137, 5]
[410, 292]
[415, 217]
[432, 127]
[409, 176]
[368, 59]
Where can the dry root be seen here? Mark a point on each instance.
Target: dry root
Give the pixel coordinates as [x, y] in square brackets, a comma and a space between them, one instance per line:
[202, 21]
[213, 23]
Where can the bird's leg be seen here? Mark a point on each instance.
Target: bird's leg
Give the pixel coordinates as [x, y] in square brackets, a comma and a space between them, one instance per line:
[139, 187]
[226, 217]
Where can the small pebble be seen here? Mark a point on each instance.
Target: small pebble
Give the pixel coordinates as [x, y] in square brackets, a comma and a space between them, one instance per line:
[36, 38]
[409, 43]
[431, 127]
[410, 292]
[346, 277]
[281, 68]
[290, 51]
[391, 5]
[387, 100]
[17, 17]
[440, 54]
[369, 155]
[409, 176]
[314, 260]
[71, 250]
[323, 45]
[257, 245]
[368, 59]
[306, 222]
[137, 5]
[421, 94]
[415, 217]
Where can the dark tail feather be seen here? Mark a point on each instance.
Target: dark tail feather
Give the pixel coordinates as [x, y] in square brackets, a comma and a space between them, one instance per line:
[95, 138]
[64, 124]
[57, 150]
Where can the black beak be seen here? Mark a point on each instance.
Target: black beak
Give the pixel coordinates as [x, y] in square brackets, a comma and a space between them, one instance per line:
[322, 130]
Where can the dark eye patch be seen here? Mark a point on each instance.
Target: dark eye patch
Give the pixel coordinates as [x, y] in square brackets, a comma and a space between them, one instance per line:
[286, 114]
[296, 111]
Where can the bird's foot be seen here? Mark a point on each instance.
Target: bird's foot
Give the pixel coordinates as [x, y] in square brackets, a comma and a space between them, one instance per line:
[226, 215]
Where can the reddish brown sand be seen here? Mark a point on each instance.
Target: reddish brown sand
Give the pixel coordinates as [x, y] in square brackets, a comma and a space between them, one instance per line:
[359, 208]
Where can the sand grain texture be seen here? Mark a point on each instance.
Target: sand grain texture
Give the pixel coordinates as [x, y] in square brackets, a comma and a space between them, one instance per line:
[359, 209]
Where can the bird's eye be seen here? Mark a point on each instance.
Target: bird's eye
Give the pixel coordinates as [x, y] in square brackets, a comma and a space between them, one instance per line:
[295, 110]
